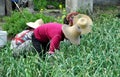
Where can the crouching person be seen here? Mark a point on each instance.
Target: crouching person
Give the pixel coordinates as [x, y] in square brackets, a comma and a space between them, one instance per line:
[46, 38]
[22, 43]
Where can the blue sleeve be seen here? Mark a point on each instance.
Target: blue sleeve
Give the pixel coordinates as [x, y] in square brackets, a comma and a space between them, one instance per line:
[14, 0]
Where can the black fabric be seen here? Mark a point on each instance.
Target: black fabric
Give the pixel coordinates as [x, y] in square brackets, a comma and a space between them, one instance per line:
[40, 47]
[36, 44]
[80, 36]
[65, 21]
[13, 6]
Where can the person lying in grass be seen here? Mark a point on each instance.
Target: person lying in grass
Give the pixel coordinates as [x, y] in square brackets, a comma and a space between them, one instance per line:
[21, 43]
[47, 38]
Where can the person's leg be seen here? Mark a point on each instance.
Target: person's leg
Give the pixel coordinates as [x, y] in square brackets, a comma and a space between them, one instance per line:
[38, 46]
[45, 46]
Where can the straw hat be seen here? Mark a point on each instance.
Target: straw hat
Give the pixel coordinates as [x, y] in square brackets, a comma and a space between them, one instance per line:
[35, 24]
[72, 33]
[84, 22]
[81, 25]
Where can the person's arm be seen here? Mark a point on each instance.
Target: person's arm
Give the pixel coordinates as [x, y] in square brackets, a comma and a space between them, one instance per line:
[54, 44]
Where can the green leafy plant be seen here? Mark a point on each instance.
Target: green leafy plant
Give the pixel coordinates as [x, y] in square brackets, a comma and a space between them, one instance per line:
[40, 4]
[97, 55]
[17, 21]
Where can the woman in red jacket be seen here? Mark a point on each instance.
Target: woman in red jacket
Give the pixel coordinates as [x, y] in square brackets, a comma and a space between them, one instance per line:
[50, 34]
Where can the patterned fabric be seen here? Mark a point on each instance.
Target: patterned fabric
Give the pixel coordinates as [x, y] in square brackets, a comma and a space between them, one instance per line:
[22, 43]
[21, 38]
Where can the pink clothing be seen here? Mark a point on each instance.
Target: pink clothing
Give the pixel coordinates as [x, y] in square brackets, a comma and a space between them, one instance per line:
[50, 32]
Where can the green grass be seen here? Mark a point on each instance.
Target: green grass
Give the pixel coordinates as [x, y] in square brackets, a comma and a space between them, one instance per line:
[97, 56]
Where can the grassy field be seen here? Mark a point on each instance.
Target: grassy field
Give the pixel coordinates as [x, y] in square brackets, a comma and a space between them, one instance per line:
[97, 56]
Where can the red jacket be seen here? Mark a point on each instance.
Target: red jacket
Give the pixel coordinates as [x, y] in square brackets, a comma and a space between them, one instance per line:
[50, 32]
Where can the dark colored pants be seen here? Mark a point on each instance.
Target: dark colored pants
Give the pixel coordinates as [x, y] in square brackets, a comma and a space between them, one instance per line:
[40, 47]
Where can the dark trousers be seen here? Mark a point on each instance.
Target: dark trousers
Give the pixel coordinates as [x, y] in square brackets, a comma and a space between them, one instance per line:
[40, 47]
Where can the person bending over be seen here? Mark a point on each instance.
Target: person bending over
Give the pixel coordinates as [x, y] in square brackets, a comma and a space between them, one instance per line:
[47, 38]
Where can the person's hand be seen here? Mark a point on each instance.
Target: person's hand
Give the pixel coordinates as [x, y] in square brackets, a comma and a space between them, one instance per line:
[51, 52]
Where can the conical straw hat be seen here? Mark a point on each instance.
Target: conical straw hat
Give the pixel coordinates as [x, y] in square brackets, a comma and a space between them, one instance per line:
[35, 24]
[72, 33]
[84, 22]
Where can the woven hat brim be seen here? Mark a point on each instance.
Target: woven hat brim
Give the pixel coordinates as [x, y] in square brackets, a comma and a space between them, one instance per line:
[32, 25]
[88, 28]
[35, 24]
[73, 40]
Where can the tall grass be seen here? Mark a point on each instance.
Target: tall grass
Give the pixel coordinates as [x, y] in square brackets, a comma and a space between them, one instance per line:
[97, 56]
